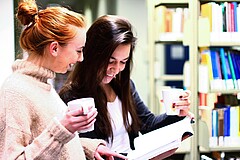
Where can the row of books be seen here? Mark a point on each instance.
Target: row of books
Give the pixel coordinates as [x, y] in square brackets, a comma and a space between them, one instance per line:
[223, 17]
[225, 126]
[223, 67]
[221, 113]
[170, 20]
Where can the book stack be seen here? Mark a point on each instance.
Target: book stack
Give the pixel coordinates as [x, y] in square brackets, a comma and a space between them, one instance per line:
[170, 23]
[224, 20]
[223, 65]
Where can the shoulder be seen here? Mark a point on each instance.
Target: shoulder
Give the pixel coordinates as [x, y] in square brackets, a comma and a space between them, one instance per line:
[13, 83]
[132, 86]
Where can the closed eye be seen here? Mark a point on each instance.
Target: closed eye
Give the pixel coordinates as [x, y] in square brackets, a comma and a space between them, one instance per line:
[123, 62]
[79, 52]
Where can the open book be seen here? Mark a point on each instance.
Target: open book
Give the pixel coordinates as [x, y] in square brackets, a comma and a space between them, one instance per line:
[161, 140]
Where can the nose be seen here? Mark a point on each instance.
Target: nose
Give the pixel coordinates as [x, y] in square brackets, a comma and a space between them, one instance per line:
[116, 67]
[80, 57]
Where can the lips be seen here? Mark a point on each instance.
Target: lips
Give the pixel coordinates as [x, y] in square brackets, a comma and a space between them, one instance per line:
[111, 75]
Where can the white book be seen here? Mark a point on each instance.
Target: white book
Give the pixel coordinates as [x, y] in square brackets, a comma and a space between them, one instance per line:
[161, 140]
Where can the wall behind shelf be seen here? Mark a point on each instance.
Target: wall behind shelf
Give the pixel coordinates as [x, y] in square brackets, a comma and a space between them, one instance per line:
[136, 12]
[6, 39]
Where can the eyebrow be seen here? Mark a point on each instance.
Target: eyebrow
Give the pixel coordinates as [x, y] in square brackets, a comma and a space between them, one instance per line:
[121, 60]
[81, 47]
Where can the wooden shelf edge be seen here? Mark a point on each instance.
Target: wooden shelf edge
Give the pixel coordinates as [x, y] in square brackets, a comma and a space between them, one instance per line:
[157, 2]
[168, 77]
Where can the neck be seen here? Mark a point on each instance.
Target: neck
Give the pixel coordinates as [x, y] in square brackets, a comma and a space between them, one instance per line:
[41, 61]
[111, 95]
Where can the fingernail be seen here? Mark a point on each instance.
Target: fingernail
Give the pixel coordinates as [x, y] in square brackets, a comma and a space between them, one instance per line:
[192, 120]
[173, 105]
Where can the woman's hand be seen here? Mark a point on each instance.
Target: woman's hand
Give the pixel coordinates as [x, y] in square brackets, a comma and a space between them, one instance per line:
[75, 119]
[107, 153]
[184, 103]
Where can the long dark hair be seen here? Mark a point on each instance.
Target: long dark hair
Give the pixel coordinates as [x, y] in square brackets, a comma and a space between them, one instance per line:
[103, 37]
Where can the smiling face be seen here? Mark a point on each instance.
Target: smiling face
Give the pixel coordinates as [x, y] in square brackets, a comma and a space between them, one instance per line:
[117, 62]
[69, 54]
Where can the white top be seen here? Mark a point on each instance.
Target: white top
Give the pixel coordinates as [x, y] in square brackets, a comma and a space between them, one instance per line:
[121, 142]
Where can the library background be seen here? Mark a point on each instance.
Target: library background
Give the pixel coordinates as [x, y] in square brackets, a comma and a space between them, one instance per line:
[189, 44]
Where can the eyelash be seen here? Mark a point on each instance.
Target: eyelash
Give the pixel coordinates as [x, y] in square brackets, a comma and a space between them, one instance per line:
[120, 62]
[79, 52]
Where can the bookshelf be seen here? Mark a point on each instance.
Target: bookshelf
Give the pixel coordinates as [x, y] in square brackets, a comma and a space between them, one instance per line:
[180, 38]
[196, 34]
[226, 39]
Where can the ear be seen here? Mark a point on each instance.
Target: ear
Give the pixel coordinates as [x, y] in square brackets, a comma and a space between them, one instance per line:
[53, 47]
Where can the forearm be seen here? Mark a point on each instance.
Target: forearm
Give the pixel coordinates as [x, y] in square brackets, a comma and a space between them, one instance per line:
[90, 146]
[48, 145]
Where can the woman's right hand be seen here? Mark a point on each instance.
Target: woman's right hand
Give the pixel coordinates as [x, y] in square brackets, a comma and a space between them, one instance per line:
[74, 119]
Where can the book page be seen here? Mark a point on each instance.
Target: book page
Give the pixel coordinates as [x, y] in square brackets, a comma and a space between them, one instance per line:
[161, 140]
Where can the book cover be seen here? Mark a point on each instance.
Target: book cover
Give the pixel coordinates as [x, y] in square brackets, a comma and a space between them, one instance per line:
[213, 140]
[227, 122]
[224, 17]
[217, 82]
[214, 123]
[234, 62]
[226, 69]
[161, 140]
[220, 126]
[206, 60]
[206, 11]
[232, 70]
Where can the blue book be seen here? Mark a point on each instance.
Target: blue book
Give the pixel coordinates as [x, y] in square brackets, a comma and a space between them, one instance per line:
[217, 82]
[232, 69]
[235, 5]
[226, 122]
[226, 69]
[236, 63]
[214, 123]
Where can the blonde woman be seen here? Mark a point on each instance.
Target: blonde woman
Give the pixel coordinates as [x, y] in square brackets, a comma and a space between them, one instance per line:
[34, 121]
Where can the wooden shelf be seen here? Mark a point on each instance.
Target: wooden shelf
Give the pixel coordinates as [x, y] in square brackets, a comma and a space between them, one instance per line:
[219, 1]
[232, 91]
[224, 44]
[171, 77]
[169, 37]
[171, 2]
[220, 148]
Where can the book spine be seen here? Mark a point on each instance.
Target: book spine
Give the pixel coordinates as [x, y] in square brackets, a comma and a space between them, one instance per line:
[235, 67]
[217, 82]
[232, 70]
[227, 122]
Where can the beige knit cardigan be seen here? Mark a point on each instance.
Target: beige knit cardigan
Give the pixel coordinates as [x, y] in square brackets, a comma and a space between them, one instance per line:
[29, 128]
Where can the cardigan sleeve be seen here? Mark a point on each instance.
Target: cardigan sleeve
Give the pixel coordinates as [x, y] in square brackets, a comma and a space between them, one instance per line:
[16, 139]
[149, 120]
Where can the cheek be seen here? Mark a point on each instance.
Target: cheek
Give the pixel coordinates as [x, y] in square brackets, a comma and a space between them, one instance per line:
[73, 57]
[122, 67]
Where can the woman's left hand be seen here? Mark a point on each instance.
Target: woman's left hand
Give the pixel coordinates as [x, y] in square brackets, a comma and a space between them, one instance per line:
[184, 103]
[104, 151]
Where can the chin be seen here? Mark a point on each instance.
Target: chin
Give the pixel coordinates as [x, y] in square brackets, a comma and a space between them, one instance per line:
[62, 71]
[107, 80]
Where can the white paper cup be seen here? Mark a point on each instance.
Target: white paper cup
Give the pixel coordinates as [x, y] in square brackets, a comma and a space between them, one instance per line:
[169, 97]
[83, 103]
